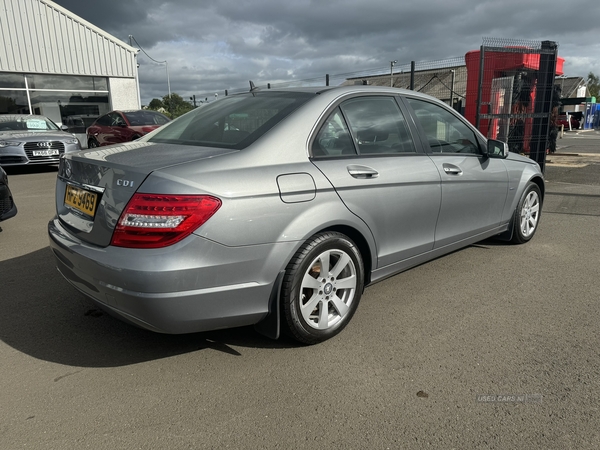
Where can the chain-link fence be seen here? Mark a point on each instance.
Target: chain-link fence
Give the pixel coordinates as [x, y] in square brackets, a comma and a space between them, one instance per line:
[444, 79]
[511, 93]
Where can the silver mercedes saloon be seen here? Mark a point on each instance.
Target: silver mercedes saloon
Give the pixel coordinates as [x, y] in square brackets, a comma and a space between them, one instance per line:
[276, 208]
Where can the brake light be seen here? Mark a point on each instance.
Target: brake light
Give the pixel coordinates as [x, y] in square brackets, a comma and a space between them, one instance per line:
[154, 220]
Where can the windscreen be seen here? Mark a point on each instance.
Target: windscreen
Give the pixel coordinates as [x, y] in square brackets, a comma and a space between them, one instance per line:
[31, 123]
[232, 122]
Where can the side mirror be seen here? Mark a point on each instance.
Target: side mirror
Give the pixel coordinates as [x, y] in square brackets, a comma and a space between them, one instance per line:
[496, 149]
[64, 127]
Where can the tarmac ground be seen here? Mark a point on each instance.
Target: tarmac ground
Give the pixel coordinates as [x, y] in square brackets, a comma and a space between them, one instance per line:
[576, 161]
[573, 175]
[495, 346]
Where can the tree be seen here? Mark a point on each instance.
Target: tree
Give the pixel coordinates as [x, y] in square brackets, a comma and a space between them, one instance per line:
[172, 107]
[593, 85]
[156, 104]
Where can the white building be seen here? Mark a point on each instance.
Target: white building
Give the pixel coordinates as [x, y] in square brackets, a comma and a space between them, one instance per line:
[55, 63]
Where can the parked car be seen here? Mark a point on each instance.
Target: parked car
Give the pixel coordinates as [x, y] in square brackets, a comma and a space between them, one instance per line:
[123, 126]
[78, 124]
[276, 208]
[564, 120]
[33, 139]
[8, 208]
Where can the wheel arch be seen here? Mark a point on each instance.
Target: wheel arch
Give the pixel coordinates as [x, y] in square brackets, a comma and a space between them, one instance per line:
[540, 184]
[270, 326]
[361, 243]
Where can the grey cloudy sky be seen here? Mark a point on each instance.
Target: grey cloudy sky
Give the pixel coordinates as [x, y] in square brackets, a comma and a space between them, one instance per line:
[213, 45]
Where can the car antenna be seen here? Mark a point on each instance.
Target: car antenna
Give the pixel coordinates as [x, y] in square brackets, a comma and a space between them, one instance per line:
[252, 87]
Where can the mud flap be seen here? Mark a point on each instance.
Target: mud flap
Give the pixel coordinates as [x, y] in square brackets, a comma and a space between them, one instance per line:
[270, 326]
[507, 235]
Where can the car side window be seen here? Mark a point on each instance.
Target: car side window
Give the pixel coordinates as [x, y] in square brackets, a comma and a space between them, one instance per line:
[378, 125]
[445, 132]
[333, 138]
[116, 120]
[104, 121]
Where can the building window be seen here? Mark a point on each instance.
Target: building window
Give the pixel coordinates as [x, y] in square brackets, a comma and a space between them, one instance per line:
[13, 102]
[12, 80]
[62, 98]
[67, 82]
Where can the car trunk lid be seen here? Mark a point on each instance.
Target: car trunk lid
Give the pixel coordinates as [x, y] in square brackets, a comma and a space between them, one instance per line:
[93, 187]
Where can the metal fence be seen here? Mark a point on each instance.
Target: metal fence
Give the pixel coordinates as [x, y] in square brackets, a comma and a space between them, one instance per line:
[511, 94]
[444, 79]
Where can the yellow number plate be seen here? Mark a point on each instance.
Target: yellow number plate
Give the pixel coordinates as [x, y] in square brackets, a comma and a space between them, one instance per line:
[81, 200]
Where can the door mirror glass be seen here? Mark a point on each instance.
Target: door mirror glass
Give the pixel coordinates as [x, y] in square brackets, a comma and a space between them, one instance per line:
[496, 149]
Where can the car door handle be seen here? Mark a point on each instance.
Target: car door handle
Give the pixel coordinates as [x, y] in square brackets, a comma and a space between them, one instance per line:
[451, 169]
[362, 172]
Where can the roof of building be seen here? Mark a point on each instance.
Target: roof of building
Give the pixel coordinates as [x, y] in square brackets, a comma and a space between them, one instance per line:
[43, 37]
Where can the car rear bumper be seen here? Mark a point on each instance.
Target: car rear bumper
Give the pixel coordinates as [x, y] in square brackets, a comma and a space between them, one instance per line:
[195, 285]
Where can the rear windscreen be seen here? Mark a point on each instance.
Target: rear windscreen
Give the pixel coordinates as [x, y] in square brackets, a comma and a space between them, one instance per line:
[232, 122]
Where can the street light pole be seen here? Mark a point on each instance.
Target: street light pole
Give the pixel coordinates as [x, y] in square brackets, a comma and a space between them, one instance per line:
[452, 89]
[392, 64]
[168, 80]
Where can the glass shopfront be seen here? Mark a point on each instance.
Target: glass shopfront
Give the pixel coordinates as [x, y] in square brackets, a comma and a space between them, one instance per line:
[64, 99]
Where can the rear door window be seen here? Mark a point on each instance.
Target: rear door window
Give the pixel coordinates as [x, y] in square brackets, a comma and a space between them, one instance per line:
[334, 138]
[365, 126]
[378, 126]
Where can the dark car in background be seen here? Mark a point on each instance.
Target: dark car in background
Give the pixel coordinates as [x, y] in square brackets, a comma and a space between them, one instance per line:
[123, 126]
[569, 121]
[78, 124]
[32, 139]
[8, 208]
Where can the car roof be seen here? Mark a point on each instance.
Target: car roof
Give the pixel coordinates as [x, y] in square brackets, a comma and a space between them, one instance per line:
[348, 89]
[136, 110]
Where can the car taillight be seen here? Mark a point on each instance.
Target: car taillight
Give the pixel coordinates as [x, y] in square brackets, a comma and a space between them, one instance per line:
[154, 220]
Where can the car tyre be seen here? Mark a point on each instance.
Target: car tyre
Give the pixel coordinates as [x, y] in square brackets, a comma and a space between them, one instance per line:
[322, 287]
[93, 143]
[527, 214]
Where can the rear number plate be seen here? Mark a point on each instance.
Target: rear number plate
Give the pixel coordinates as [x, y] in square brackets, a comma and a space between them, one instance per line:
[81, 200]
[49, 152]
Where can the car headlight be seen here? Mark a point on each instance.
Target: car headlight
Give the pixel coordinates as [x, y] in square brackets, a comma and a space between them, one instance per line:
[73, 141]
[9, 144]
